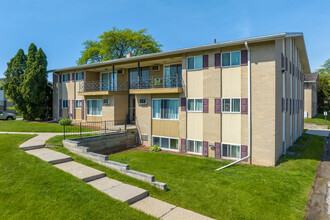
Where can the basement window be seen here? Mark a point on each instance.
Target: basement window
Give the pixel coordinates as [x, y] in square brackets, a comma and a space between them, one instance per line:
[165, 142]
[231, 151]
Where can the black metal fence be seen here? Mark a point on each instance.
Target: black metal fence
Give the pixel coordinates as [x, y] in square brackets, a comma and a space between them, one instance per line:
[84, 129]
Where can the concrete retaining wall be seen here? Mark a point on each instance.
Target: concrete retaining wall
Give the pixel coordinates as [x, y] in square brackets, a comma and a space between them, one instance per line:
[97, 148]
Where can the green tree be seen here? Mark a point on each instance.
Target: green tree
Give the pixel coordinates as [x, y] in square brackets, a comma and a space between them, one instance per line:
[116, 43]
[14, 78]
[26, 84]
[323, 94]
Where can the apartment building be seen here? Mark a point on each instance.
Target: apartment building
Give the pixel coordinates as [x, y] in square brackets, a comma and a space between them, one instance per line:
[234, 100]
[4, 100]
[311, 82]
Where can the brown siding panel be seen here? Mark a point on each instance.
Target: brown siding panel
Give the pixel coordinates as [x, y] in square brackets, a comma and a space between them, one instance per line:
[244, 105]
[205, 105]
[183, 145]
[217, 148]
[205, 61]
[183, 104]
[244, 57]
[217, 60]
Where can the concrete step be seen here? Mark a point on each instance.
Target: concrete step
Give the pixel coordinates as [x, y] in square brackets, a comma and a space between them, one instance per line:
[298, 145]
[50, 156]
[293, 153]
[81, 171]
[153, 206]
[126, 193]
[104, 183]
[183, 214]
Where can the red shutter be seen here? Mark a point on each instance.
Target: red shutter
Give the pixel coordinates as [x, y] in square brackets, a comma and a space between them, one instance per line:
[82, 76]
[293, 103]
[287, 104]
[73, 77]
[217, 105]
[244, 106]
[217, 60]
[60, 78]
[286, 63]
[217, 148]
[205, 61]
[183, 104]
[82, 109]
[183, 146]
[60, 105]
[73, 109]
[205, 148]
[244, 151]
[205, 105]
[244, 57]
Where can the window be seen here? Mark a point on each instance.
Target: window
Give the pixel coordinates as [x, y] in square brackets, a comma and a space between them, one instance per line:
[231, 59]
[66, 77]
[194, 146]
[231, 151]
[231, 105]
[79, 76]
[94, 107]
[166, 143]
[172, 76]
[78, 104]
[165, 109]
[195, 63]
[109, 82]
[195, 105]
[65, 104]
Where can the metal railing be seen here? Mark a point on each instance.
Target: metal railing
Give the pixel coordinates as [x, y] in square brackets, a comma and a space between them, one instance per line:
[92, 86]
[84, 129]
[156, 82]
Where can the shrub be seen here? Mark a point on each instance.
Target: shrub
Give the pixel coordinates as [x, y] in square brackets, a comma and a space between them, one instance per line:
[155, 148]
[65, 121]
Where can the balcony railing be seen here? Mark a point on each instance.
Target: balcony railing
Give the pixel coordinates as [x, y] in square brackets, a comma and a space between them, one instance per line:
[156, 82]
[92, 86]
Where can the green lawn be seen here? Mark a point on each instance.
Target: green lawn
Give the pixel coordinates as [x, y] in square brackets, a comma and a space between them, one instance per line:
[24, 126]
[319, 120]
[33, 189]
[238, 192]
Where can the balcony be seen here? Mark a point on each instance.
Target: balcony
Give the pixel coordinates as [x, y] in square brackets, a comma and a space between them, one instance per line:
[102, 88]
[156, 85]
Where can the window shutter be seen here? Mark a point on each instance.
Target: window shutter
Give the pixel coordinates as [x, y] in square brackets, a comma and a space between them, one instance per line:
[290, 68]
[73, 77]
[60, 78]
[244, 151]
[60, 105]
[283, 105]
[217, 148]
[286, 63]
[217, 60]
[217, 105]
[205, 61]
[5, 105]
[183, 145]
[244, 57]
[82, 76]
[287, 104]
[290, 106]
[183, 104]
[82, 109]
[293, 103]
[205, 148]
[282, 61]
[205, 105]
[244, 106]
[73, 109]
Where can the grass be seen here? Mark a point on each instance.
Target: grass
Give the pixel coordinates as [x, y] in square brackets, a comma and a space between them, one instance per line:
[319, 120]
[33, 189]
[24, 126]
[238, 192]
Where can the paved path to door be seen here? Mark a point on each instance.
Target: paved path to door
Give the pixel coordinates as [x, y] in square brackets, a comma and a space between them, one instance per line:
[138, 198]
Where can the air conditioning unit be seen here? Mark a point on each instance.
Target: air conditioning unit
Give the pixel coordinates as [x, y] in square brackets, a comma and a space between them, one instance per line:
[143, 101]
[106, 101]
[120, 71]
[144, 137]
[156, 68]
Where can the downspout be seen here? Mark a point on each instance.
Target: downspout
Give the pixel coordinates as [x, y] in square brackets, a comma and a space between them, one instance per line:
[249, 113]
[58, 95]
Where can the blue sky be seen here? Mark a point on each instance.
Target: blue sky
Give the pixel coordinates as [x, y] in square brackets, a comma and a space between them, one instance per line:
[60, 27]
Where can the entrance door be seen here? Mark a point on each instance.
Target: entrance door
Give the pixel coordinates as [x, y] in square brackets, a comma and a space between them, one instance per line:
[131, 108]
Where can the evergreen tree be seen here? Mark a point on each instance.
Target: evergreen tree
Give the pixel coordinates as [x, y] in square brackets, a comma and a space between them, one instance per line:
[34, 86]
[14, 78]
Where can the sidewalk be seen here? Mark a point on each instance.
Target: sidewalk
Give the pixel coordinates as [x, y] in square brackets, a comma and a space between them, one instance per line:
[318, 206]
[138, 198]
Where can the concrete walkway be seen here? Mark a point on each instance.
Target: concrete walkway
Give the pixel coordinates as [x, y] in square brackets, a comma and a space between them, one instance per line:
[319, 202]
[138, 198]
